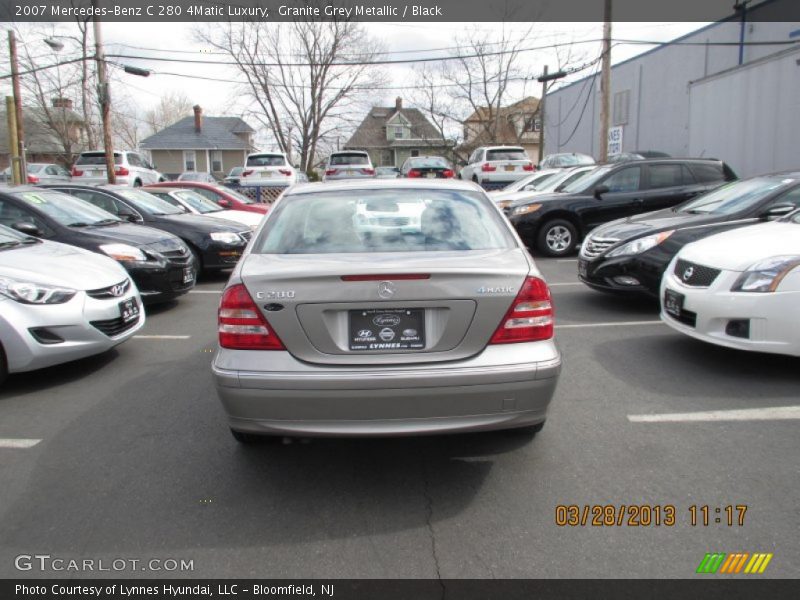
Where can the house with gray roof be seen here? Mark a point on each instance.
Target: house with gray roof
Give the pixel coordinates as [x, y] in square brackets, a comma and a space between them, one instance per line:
[204, 144]
[393, 134]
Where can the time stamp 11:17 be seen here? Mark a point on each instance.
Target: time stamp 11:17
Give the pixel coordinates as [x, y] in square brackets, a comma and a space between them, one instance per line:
[646, 515]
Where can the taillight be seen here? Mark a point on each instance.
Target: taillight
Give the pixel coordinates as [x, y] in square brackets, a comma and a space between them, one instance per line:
[448, 173]
[368, 171]
[330, 171]
[121, 171]
[488, 168]
[76, 172]
[528, 167]
[415, 173]
[247, 173]
[33, 179]
[286, 172]
[531, 316]
[241, 324]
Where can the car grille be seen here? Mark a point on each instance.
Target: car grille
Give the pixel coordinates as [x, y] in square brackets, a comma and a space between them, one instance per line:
[114, 327]
[695, 275]
[112, 291]
[178, 257]
[594, 247]
[173, 250]
[393, 221]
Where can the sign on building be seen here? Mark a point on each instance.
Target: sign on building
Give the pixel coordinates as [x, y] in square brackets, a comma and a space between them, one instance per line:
[614, 140]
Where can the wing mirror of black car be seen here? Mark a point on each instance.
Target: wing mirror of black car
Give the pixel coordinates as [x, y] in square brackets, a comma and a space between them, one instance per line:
[27, 228]
[131, 218]
[600, 190]
[777, 211]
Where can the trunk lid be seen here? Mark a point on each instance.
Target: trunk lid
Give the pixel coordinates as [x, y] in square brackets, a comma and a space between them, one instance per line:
[444, 307]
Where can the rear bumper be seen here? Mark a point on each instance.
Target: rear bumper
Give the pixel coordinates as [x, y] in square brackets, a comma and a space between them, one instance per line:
[493, 390]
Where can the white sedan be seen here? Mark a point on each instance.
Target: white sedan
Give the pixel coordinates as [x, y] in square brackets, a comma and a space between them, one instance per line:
[194, 203]
[739, 289]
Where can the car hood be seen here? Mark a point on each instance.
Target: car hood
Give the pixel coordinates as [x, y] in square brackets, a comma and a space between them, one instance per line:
[203, 223]
[653, 222]
[738, 249]
[125, 233]
[52, 263]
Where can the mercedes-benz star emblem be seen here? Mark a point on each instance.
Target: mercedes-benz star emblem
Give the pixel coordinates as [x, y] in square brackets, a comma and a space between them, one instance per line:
[687, 274]
[385, 289]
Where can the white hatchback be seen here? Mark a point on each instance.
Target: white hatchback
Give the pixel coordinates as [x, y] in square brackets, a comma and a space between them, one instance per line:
[268, 169]
[130, 168]
[739, 289]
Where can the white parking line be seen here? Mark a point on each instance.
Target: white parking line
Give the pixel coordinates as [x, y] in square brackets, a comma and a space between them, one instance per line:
[162, 337]
[611, 324]
[18, 443]
[564, 283]
[205, 292]
[566, 260]
[775, 413]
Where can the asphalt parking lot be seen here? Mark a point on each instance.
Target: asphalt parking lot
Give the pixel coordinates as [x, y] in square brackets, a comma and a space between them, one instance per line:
[128, 456]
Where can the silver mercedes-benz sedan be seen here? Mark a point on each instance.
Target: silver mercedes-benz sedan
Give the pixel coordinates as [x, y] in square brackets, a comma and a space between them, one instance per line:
[59, 303]
[385, 307]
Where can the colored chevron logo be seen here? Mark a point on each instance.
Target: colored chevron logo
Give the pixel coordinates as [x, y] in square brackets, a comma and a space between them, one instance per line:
[736, 562]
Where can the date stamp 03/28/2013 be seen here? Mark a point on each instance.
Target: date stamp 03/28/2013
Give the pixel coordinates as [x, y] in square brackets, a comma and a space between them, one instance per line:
[648, 515]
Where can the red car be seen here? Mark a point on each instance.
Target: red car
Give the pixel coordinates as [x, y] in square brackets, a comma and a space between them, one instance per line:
[225, 197]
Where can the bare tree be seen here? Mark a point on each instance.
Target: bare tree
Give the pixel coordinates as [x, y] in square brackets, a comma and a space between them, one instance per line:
[171, 108]
[306, 80]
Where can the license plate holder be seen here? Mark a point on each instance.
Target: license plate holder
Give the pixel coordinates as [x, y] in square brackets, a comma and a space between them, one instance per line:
[673, 303]
[188, 275]
[430, 175]
[373, 329]
[129, 310]
[510, 167]
[583, 268]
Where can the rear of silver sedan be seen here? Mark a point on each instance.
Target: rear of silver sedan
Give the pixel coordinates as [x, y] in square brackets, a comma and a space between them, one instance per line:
[328, 328]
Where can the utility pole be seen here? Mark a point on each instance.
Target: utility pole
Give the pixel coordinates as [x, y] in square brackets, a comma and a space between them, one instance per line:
[13, 140]
[12, 50]
[544, 79]
[605, 83]
[104, 95]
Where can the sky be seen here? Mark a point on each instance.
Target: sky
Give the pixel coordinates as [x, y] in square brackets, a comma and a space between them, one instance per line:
[401, 40]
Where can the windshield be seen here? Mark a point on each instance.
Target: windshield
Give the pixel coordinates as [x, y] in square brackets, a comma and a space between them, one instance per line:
[233, 194]
[266, 160]
[65, 209]
[34, 168]
[10, 238]
[349, 159]
[571, 160]
[236, 171]
[536, 180]
[794, 218]
[736, 196]
[148, 203]
[197, 202]
[97, 158]
[587, 181]
[362, 221]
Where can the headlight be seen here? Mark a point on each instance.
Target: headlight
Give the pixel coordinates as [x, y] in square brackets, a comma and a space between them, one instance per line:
[123, 252]
[766, 275]
[226, 237]
[504, 204]
[524, 210]
[641, 244]
[27, 292]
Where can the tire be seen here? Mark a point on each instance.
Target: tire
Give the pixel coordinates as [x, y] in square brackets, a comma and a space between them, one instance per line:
[246, 438]
[3, 366]
[475, 179]
[137, 183]
[557, 238]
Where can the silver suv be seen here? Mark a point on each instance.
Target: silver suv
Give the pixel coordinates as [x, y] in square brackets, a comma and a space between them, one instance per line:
[130, 168]
[348, 164]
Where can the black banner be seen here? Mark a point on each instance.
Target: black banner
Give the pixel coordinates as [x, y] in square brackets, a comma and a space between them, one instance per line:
[393, 10]
[400, 589]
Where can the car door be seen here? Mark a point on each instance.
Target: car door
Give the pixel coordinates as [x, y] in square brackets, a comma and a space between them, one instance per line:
[668, 184]
[623, 198]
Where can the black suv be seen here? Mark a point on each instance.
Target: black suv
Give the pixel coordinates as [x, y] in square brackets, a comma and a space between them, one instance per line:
[554, 224]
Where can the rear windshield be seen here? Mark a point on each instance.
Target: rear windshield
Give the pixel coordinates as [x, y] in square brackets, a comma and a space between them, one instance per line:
[266, 160]
[361, 221]
[97, 158]
[349, 159]
[428, 162]
[506, 154]
[148, 203]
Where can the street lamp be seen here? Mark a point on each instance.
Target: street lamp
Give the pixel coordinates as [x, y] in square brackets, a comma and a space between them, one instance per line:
[54, 44]
[543, 79]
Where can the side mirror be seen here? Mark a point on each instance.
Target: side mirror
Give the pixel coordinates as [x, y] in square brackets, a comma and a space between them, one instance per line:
[777, 211]
[529, 188]
[600, 190]
[27, 228]
[224, 203]
[131, 218]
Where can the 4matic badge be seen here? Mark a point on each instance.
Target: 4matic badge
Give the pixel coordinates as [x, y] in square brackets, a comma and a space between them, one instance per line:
[501, 289]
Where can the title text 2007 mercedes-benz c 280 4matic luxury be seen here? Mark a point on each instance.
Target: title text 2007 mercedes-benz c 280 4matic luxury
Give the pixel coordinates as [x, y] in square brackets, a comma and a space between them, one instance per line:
[385, 307]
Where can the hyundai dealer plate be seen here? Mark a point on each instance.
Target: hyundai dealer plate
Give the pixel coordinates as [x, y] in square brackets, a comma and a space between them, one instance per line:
[387, 329]
[129, 310]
